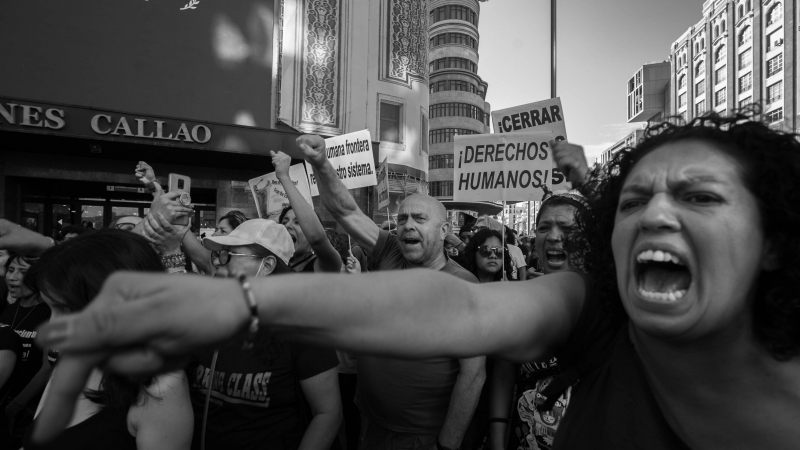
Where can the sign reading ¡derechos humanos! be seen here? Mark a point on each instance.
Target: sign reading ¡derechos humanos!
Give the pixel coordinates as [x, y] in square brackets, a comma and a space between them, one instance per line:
[512, 167]
[351, 156]
[546, 115]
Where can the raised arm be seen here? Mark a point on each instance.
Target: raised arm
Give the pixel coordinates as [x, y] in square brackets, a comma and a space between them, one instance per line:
[328, 259]
[335, 196]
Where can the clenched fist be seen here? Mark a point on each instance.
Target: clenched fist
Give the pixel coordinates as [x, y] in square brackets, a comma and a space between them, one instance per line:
[313, 147]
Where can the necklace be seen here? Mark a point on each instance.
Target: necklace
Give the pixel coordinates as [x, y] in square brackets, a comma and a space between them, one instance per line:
[305, 258]
[14, 322]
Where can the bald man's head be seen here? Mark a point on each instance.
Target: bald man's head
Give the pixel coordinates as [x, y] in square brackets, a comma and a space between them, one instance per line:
[421, 228]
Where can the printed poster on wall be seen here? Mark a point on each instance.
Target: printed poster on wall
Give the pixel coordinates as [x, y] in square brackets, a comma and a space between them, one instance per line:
[383, 184]
[269, 195]
[510, 166]
[351, 156]
[546, 115]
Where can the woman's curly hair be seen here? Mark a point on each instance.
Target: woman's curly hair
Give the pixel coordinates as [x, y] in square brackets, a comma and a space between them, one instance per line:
[470, 262]
[770, 167]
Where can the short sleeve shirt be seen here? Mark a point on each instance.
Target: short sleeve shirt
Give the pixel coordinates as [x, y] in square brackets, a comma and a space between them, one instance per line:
[24, 321]
[255, 401]
[612, 406]
[401, 395]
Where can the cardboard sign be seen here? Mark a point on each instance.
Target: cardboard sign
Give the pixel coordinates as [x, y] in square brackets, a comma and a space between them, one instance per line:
[269, 195]
[383, 184]
[351, 157]
[546, 115]
[511, 167]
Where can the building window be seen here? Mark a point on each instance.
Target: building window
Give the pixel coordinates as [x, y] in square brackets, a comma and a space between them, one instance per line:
[774, 65]
[746, 36]
[745, 102]
[774, 116]
[446, 134]
[455, 85]
[774, 40]
[716, 31]
[745, 60]
[453, 63]
[749, 5]
[700, 88]
[700, 69]
[454, 38]
[390, 122]
[740, 10]
[423, 146]
[682, 100]
[746, 82]
[720, 97]
[775, 92]
[440, 188]
[720, 55]
[775, 14]
[454, 12]
[723, 26]
[700, 108]
[721, 74]
[682, 82]
[440, 162]
[457, 110]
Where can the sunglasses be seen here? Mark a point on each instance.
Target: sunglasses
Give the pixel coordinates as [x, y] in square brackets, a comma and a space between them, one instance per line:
[223, 257]
[486, 251]
[125, 226]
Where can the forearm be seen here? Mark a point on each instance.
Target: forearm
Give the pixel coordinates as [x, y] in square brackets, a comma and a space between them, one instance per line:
[333, 194]
[500, 401]
[199, 254]
[321, 432]
[466, 393]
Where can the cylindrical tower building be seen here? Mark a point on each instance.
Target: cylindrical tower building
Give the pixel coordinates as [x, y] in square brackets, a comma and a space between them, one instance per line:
[457, 101]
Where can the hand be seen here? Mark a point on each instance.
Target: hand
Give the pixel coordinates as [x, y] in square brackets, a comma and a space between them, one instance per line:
[452, 240]
[353, 265]
[169, 206]
[571, 161]
[164, 236]
[139, 325]
[281, 161]
[145, 173]
[22, 240]
[313, 148]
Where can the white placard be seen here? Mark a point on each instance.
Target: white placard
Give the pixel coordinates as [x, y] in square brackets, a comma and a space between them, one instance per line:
[383, 184]
[511, 167]
[546, 115]
[351, 156]
[269, 195]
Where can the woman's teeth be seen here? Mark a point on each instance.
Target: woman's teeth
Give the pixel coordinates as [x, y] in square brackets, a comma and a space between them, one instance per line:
[658, 256]
[662, 296]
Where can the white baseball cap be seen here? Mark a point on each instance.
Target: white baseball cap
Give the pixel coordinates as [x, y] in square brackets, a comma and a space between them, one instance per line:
[263, 232]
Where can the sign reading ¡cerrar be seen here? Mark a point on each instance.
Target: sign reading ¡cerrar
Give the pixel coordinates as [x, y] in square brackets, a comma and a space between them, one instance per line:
[351, 156]
[546, 115]
[510, 166]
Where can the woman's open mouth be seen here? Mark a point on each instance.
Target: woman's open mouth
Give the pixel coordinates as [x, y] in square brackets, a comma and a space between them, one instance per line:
[661, 276]
[555, 258]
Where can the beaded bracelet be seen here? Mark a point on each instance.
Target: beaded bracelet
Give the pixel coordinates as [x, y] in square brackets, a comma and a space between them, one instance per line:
[252, 329]
[172, 261]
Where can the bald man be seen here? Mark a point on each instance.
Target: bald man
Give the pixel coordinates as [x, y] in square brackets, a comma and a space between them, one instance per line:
[405, 404]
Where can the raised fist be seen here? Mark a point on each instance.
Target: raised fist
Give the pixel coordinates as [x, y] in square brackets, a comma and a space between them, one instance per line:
[282, 162]
[313, 148]
[571, 161]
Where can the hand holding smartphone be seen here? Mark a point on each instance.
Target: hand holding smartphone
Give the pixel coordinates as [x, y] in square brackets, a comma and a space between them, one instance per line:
[182, 184]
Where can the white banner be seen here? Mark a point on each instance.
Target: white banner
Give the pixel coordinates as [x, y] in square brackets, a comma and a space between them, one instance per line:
[511, 166]
[269, 195]
[351, 157]
[383, 184]
[546, 115]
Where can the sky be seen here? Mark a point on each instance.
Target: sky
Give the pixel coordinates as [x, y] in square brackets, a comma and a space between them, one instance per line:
[601, 44]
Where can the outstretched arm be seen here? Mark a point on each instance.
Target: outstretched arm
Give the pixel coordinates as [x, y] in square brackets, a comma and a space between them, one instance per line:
[328, 259]
[335, 196]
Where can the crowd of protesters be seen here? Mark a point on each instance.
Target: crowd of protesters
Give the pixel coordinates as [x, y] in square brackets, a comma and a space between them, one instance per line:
[656, 305]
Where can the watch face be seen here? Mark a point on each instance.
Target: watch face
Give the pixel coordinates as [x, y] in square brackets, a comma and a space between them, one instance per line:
[185, 199]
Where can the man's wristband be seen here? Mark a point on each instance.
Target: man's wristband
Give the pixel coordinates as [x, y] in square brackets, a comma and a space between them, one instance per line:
[173, 261]
[252, 305]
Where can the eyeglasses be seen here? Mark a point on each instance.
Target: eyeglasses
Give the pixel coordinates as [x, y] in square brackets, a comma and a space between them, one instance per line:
[125, 226]
[223, 257]
[486, 251]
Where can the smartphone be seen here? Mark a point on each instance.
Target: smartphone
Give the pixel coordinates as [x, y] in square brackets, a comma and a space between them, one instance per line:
[180, 183]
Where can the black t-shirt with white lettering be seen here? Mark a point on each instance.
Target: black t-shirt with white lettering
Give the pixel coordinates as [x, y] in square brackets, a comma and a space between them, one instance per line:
[254, 398]
[24, 321]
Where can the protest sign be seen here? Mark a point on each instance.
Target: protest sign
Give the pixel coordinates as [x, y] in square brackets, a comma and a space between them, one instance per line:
[269, 195]
[351, 156]
[546, 115]
[510, 167]
[383, 184]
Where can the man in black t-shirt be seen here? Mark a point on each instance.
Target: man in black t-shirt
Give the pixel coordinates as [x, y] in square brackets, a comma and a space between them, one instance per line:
[430, 402]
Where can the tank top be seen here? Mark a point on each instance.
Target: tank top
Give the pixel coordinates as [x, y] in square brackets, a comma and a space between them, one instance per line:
[105, 430]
